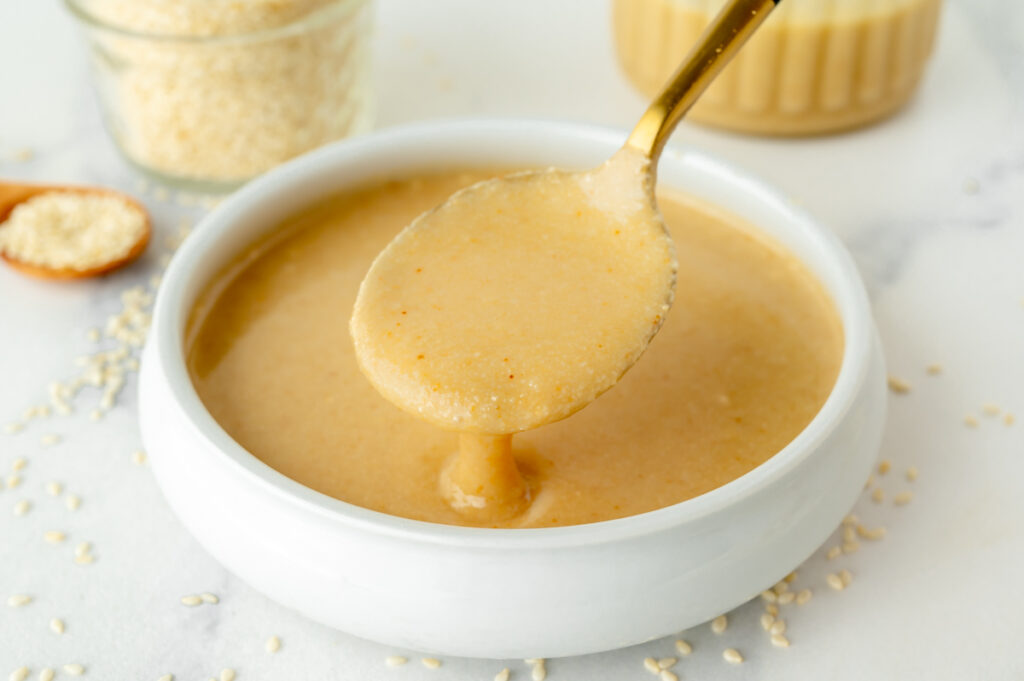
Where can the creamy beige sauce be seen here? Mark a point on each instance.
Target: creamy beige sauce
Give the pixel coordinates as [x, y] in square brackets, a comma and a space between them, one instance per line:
[746, 357]
[813, 67]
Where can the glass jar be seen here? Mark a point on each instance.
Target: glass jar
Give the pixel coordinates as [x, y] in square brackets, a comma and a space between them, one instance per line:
[206, 94]
[815, 66]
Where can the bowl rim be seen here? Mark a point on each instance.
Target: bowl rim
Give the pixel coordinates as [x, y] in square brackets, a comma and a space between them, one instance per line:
[167, 350]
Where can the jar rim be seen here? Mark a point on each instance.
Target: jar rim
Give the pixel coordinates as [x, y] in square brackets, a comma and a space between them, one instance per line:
[332, 11]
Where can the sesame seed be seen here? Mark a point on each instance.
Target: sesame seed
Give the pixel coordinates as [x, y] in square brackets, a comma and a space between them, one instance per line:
[778, 628]
[878, 495]
[668, 675]
[790, 578]
[651, 665]
[787, 598]
[191, 601]
[769, 596]
[781, 588]
[719, 624]
[767, 620]
[871, 534]
[54, 536]
[139, 457]
[46, 674]
[898, 385]
[990, 409]
[834, 581]
[19, 464]
[166, 677]
[934, 369]
[72, 502]
[539, 671]
[849, 534]
[395, 661]
[803, 596]
[683, 647]
[273, 644]
[209, 598]
[13, 481]
[884, 466]
[903, 498]
[83, 548]
[24, 154]
[18, 600]
[732, 656]
[50, 439]
[86, 559]
[666, 662]
[54, 488]
[912, 474]
[851, 547]
[227, 675]
[503, 674]
[74, 669]
[970, 421]
[779, 641]
[851, 519]
[93, 335]
[833, 552]
[772, 609]
[1008, 419]
[845, 576]
[13, 427]
[431, 662]
[22, 507]
[19, 674]
[57, 625]
[95, 415]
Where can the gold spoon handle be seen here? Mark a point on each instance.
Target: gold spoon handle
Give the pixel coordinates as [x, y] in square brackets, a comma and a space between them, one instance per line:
[715, 47]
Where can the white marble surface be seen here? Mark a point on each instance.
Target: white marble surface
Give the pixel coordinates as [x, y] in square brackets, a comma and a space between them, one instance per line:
[931, 203]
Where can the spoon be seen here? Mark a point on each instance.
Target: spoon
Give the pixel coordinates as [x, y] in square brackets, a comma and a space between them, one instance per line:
[520, 300]
[13, 194]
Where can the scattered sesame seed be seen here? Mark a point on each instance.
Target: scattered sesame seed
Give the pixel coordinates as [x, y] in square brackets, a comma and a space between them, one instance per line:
[86, 559]
[18, 600]
[878, 495]
[651, 665]
[851, 519]
[834, 581]
[898, 385]
[395, 661]
[72, 502]
[166, 677]
[668, 675]
[970, 421]
[833, 552]
[666, 662]
[93, 335]
[539, 671]
[803, 596]
[19, 464]
[912, 474]
[884, 466]
[209, 598]
[54, 536]
[851, 547]
[779, 641]
[787, 598]
[13, 427]
[19, 674]
[990, 409]
[139, 457]
[790, 578]
[13, 480]
[54, 488]
[46, 674]
[431, 662]
[934, 369]
[503, 674]
[22, 507]
[95, 415]
[849, 534]
[871, 534]
[25, 154]
[767, 620]
[846, 576]
[903, 498]
[732, 656]
[74, 669]
[1008, 419]
[50, 439]
[227, 675]
[191, 601]
[772, 609]
[57, 625]
[719, 624]
[683, 647]
[83, 548]
[781, 588]
[273, 644]
[769, 596]
[778, 628]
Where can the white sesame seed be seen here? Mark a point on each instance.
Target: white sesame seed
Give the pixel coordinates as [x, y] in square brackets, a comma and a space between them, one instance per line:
[851, 519]
[72, 502]
[683, 647]
[846, 576]
[54, 488]
[50, 439]
[851, 547]
[74, 669]
[934, 369]
[191, 601]
[903, 498]
[1008, 419]
[781, 588]
[732, 656]
[85, 559]
[19, 674]
[166, 677]
[779, 641]
[139, 456]
[666, 662]
[533, 660]
[227, 675]
[13, 427]
[95, 415]
[970, 421]
[83, 548]
[778, 628]
[769, 596]
[22, 507]
[719, 624]
[787, 598]
[834, 581]
[24, 154]
[668, 675]
[651, 665]
[57, 625]
[878, 495]
[13, 481]
[833, 552]
[849, 534]
[19, 464]
[209, 598]
[273, 644]
[54, 536]
[871, 534]
[803, 596]
[503, 674]
[990, 409]
[18, 600]
[912, 474]
[767, 620]
[93, 335]
[46, 674]
[898, 385]
[884, 466]
[539, 671]
[431, 662]
[790, 578]
[772, 609]
[395, 661]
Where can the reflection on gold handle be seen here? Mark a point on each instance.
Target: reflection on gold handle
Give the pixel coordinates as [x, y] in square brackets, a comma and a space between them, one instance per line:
[715, 47]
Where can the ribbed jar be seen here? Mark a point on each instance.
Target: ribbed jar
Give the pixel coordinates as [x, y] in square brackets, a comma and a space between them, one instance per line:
[815, 66]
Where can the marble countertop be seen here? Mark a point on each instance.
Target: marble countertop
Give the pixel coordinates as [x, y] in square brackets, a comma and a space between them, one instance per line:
[931, 203]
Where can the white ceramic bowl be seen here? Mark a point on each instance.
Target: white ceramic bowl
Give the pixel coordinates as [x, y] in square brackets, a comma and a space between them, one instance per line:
[504, 593]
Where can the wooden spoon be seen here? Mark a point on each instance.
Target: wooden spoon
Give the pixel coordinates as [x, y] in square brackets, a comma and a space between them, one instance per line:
[12, 194]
